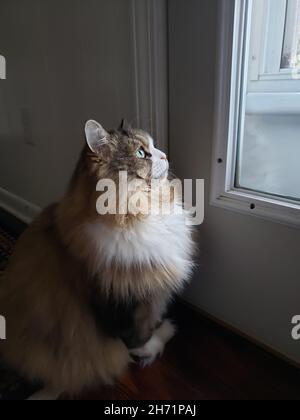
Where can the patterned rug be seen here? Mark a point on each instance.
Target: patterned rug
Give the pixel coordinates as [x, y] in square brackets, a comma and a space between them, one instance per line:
[12, 386]
[7, 244]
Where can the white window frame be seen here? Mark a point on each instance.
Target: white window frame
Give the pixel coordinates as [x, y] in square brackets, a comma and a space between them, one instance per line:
[266, 49]
[232, 81]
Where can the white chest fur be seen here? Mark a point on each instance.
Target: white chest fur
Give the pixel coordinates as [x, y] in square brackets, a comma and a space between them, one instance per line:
[161, 241]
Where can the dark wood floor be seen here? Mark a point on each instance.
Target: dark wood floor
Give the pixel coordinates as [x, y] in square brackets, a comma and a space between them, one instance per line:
[207, 362]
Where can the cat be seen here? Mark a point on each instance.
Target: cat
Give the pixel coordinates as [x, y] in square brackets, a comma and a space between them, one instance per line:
[84, 294]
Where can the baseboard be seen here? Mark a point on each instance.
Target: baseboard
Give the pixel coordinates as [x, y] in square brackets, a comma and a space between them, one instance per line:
[18, 207]
[240, 333]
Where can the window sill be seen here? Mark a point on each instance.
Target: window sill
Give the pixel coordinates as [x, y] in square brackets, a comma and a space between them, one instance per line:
[268, 208]
[273, 103]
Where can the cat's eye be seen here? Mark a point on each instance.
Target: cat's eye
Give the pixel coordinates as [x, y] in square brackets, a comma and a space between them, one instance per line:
[141, 154]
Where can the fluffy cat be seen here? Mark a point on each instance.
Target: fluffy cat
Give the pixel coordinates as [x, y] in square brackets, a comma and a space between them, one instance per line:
[85, 293]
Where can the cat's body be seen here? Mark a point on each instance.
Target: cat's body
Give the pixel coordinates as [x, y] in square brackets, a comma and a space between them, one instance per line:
[83, 292]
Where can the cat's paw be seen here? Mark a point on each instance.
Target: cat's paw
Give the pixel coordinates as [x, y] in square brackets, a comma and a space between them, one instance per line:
[147, 354]
[154, 348]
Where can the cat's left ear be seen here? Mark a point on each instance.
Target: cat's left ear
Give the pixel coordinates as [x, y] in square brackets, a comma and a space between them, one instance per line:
[96, 136]
[125, 127]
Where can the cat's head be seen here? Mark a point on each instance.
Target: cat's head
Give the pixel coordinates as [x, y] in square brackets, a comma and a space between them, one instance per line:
[125, 149]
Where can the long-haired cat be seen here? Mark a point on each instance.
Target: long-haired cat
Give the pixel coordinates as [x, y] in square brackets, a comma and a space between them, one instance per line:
[84, 293]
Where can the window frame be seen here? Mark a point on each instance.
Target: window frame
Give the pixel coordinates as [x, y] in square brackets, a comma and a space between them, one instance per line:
[267, 47]
[232, 78]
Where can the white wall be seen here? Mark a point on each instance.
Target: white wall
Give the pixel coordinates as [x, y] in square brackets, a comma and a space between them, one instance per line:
[67, 61]
[249, 270]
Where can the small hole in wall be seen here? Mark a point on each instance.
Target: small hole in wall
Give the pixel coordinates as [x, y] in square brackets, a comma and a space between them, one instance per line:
[220, 160]
[252, 206]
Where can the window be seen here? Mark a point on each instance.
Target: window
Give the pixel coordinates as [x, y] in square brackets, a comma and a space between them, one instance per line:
[274, 43]
[290, 58]
[256, 165]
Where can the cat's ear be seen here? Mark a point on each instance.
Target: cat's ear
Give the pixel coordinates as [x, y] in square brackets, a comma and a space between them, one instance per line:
[125, 127]
[96, 136]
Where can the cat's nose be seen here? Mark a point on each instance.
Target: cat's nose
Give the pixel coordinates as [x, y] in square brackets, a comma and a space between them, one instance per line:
[163, 156]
